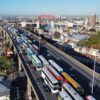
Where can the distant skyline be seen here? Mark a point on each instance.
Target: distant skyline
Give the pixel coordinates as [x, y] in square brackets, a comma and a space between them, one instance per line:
[51, 7]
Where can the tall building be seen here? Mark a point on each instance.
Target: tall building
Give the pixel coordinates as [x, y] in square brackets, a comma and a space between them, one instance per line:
[92, 20]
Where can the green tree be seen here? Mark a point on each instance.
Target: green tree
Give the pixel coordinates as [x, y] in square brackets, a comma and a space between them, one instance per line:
[57, 35]
[4, 63]
[92, 30]
[93, 41]
[6, 44]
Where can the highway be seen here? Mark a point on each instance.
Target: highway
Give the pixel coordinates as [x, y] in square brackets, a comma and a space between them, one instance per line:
[33, 75]
[70, 67]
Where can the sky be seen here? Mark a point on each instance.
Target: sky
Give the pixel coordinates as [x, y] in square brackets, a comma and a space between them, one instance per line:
[55, 7]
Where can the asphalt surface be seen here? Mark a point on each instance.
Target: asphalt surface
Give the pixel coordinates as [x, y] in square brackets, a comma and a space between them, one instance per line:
[83, 81]
[70, 68]
[49, 54]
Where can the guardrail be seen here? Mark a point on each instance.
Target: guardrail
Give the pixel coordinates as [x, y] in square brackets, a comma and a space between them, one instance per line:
[71, 59]
[38, 94]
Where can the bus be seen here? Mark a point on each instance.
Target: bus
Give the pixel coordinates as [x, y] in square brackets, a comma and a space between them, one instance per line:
[36, 62]
[90, 97]
[23, 38]
[55, 74]
[72, 82]
[56, 66]
[63, 95]
[44, 61]
[29, 41]
[24, 45]
[67, 87]
[50, 80]
[29, 53]
[35, 47]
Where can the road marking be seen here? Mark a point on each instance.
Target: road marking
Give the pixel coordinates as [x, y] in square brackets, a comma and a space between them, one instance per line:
[54, 55]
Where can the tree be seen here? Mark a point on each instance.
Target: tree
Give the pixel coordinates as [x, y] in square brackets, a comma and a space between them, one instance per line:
[93, 41]
[4, 63]
[7, 44]
[92, 30]
[57, 35]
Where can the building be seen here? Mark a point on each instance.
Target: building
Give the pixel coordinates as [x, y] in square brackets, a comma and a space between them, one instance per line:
[92, 20]
[4, 92]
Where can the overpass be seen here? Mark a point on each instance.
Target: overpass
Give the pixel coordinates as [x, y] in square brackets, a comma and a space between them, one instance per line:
[31, 82]
[81, 68]
[71, 61]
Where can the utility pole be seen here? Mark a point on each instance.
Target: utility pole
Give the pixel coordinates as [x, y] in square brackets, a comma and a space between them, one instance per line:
[92, 88]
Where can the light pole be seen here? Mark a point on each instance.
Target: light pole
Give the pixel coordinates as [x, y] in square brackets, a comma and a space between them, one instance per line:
[92, 88]
[39, 39]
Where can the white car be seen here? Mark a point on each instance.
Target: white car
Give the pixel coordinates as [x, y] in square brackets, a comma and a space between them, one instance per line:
[1, 78]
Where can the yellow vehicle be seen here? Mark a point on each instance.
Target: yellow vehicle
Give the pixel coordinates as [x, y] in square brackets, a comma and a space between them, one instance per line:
[70, 80]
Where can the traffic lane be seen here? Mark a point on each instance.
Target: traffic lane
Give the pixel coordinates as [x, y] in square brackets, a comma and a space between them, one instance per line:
[78, 68]
[35, 85]
[73, 64]
[37, 75]
[83, 81]
[31, 78]
[41, 98]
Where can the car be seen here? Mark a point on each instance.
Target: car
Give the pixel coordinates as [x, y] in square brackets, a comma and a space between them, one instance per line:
[46, 88]
[1, 78]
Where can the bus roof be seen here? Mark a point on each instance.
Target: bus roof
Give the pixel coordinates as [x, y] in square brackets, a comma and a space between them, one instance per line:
[54, 71]
[50, 76]
[56, 66]
[65, 95]
[72, 92]
[36, 58]
[43, 60]
[70, 80]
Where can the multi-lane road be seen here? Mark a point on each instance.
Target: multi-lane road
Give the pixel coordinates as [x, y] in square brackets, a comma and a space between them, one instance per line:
[78, 74]
[70, 68]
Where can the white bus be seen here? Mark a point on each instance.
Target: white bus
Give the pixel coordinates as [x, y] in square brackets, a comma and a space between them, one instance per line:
[50, 80]
[44, 61]
[35, 47]
[63, 95]
[90, 97]
[55, 74]
[67, 87]
[56, 66]
[36, 62]
[23, 38]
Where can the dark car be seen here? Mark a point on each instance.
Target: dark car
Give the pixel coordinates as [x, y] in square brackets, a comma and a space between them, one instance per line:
[46, 88]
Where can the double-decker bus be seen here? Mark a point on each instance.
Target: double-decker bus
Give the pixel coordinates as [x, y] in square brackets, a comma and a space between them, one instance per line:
[67, 87]
[75, 84]
[50, 80]
[63, 95]
[44, 61]
[56, 66]
[90, 97]
[55, 74]
[36, 62]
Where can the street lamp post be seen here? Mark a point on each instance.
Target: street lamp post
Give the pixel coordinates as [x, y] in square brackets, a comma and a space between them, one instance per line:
[39, 40]
[93, 75]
